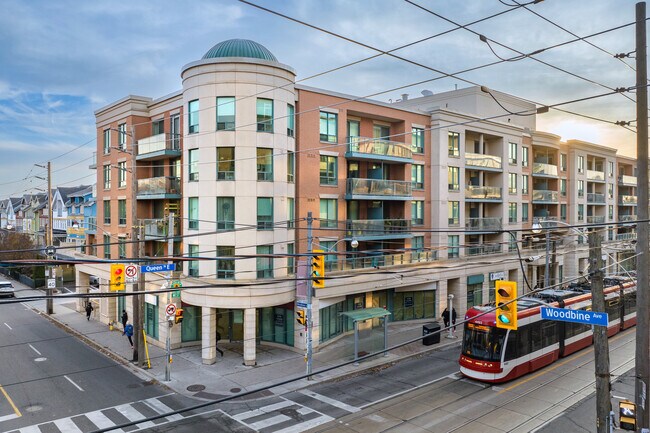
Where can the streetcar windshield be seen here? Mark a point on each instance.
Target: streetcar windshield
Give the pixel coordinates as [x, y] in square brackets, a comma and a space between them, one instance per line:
[483, 342]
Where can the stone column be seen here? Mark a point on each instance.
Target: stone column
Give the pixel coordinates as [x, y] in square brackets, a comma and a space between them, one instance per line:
[208, 335]
[249, 336]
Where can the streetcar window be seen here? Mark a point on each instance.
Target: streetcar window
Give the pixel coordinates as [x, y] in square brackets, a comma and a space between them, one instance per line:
[536, 339]
[511, 346]
[523, 341]
[549, 333]
[630, 302]
[483, 343]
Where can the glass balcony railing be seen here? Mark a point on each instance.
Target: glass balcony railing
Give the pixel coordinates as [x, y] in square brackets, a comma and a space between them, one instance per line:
[159, 186]
[356, 261]
[93, 163]
[483, 192]
[90, 223]
[545, 195]
[595, 219]
[379, 187]
[627, 180]
[626, 218]
[595, 175]
[157, 143]
[627, 199]
[484, 249]
[379, 227]
[541, 168]
[480, 224]
[377, 147]
[158, 228]
[483, 161]
[593, 197]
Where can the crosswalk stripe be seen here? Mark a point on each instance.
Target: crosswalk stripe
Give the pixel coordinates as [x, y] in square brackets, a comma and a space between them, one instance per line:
[161, 407]
[31, 429]
[67, 425]
[99, 419]
[263, 410]
[330, 401]
[298, 428]
[133, 415]
[268, 422]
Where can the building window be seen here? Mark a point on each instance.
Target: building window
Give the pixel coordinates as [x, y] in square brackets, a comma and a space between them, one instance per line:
[581, 188]
[328, 213]
[225, 213]
[512, 183]
[581, 164]
[417, 176]
[454, 213]
[512, 246]
[563, 212]
[354, 131]
[563, 161]
[512, 212]
[330, 259]
[610, 212]
[291, 167]
[264, 264]
[225, 163]
[193, 212]
[265, 164]
[328, 170]
[581, 212]
[193, 265]
[474, 295]
[225, 266]
[193, 117]
[563, 187]
[107, 247]
[328, 127]
[524, 156]
[512, 153]
[225, 113]
[524, 184]
[121, 174]
[381, 131]
[611, 168]
[610, 190]
[107, 176]
[524, 212]
[158, 127]
[453, 143]
[453, 250]
[121, 212]
[417, 140]
[175, 131]
[417, 212]
[107, 141]
[417, 243]
[107, 212]
[121, 136]
[291, 120]
[121, 248]
[193, 157]
[453, 178]
[291, 217]
[264, 115]
[291, 260]
[265, 213]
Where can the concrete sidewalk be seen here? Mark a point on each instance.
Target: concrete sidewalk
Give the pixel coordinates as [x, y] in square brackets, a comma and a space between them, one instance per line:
[229, 376]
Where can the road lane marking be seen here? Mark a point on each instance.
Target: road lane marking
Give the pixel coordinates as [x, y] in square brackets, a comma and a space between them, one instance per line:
[9, 326]
[77, 386]
[330, 401]
[11, 402]
[8, 417]
[34, 349]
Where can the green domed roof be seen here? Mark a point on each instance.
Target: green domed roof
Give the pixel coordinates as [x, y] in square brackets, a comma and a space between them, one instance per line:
[240, 48]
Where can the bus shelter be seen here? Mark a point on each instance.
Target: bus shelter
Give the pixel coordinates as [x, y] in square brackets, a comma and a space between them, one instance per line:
[361, 316]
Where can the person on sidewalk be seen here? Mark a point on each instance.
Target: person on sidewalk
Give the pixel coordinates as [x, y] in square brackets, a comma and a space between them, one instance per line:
[445, 318]
[453, 317]
[89, 309]
[215, 344]
[128, 331]
[125, 319]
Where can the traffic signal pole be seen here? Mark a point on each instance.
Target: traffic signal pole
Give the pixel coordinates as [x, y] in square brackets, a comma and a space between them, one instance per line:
[310, 289]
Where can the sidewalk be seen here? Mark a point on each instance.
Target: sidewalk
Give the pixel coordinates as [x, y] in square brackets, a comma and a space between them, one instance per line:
[228, 376]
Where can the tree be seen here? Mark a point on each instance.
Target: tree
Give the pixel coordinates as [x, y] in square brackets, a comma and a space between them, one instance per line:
[18, 246]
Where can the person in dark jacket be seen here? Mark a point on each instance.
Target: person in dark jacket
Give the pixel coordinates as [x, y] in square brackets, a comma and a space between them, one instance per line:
[89, 309]
[128, 331]
[445, 318]
[125, 318]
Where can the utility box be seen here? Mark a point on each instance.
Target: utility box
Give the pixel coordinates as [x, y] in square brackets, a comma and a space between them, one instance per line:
[431, 333]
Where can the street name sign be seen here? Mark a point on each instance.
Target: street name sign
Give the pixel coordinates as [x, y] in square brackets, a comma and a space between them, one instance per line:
[158, 268]
[575, 316]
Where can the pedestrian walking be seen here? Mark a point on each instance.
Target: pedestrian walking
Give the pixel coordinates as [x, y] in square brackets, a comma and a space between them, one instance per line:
[89, 309]
[445, 318]
[215, 344]
[128, 331]
[125, 318]
[453, 317]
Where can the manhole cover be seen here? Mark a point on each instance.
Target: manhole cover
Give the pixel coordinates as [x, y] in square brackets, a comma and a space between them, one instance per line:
[195, 388]
[235, 390]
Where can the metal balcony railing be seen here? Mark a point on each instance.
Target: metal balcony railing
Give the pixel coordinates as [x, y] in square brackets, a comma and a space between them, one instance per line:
[378, 147]
[379, 227]
[545, 195]
[482, 161]
[626, 236]
[627, 180]
[595, 219]
[626, 218]
[480, 250]
[379, 187]
[159, 185]
[483, 192]
[593, 197]
[627, 199]
[481, 224]
[595, 175]
[544, 169]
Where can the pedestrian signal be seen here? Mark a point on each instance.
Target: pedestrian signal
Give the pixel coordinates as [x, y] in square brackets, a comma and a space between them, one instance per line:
[301, 317]
[178, 318]
[506, 300]
[117, 277]
[627, 415]
[318, 270]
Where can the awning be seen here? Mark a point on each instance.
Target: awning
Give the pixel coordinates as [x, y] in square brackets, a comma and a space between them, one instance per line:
[365, 314]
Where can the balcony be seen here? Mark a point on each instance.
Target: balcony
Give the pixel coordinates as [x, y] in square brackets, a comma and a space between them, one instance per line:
[595, 219]
[627, 180]
[374, 149]
[483, 224]
[545, 196]
[379, 229]
[157, 229]
[483, 193]
[595, 198]
[91, 225]
[596, 176]
[159, 146]
[626, 236]
[159, 188]
[378, 189]
[627, 200]
[541, 169]
[626, 218]
[483, 161]
[485, 249]
[93, 163]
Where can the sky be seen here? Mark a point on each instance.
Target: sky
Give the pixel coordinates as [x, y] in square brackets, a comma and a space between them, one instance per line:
[62, 60]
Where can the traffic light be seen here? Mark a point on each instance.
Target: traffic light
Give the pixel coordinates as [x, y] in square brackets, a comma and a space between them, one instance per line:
[318, 270]
[301, 317]
[117, 277]
[178, 318]
[506, 300]
[627, 415]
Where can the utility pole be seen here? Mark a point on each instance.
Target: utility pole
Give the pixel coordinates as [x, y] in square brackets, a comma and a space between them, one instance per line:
[138, 319]
[49, 303]
[642, 362]
[601, 345]
[170, 252]
[310, 289]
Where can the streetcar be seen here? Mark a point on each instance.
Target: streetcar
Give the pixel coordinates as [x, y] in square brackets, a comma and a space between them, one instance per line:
[491, 354]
